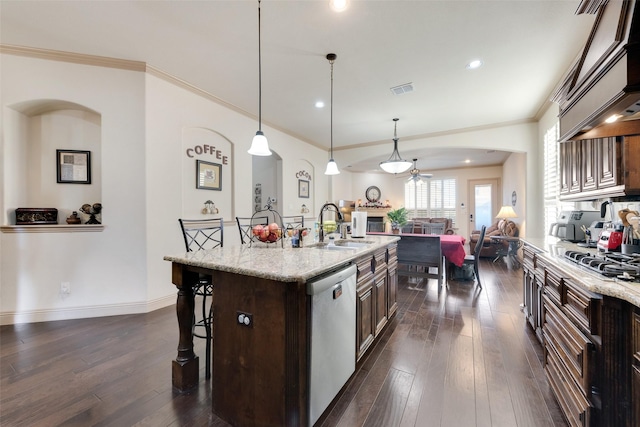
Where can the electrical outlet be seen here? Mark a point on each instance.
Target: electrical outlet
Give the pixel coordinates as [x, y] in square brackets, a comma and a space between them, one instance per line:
[244, 319]
[65, 288]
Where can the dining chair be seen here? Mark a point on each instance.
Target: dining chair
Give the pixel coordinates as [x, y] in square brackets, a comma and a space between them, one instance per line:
[433, 228]
[421, 251]
[474, 258]
[293, 221]
[407, 228]
[202, 234]
[245, 224]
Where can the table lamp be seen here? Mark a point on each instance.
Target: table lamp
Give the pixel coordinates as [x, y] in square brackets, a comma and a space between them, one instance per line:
[505, 213]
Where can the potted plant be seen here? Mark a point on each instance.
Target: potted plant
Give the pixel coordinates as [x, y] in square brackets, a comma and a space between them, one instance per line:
[398, 218]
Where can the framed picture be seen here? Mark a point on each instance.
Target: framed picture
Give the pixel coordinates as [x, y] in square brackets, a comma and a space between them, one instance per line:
[208, 175]
[73, 166]
[303, 189]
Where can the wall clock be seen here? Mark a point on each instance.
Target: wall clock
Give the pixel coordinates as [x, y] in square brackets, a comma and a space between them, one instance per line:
[373, 194]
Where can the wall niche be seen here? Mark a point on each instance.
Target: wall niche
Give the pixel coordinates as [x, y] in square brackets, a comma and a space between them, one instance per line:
[35, 130]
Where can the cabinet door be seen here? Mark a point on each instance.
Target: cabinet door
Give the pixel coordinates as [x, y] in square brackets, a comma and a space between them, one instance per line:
[609, 158]
[575, 175]
[565, 167]
[380, 288]
[392, 289]
[589, 164]
[529, 284]
[365, 317]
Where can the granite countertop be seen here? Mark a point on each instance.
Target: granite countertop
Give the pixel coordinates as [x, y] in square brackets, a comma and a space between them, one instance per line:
[553, 249]
[273, 262]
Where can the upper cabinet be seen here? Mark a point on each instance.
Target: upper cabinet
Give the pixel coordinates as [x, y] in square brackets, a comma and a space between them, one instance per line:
[600, 167]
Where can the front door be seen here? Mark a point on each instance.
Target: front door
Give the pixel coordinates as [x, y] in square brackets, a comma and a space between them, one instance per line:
[483, 204]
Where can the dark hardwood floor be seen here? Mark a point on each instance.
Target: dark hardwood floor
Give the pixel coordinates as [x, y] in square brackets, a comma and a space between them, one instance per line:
[461, 357]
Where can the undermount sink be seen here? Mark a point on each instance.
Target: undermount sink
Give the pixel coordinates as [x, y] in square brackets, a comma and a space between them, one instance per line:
[328, 247]
[350, 244]
[341, 245]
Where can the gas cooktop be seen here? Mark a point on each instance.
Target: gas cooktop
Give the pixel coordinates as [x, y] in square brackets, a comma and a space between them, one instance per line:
[608, 264]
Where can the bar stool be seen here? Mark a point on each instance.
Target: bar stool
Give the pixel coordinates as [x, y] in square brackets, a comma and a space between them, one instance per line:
[202, 234]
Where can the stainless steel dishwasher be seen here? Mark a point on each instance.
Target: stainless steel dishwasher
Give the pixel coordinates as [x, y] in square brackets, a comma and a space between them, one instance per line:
[333, 337]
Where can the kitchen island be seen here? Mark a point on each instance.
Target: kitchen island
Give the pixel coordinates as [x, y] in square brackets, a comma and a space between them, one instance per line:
[589, 326]
[260, 370]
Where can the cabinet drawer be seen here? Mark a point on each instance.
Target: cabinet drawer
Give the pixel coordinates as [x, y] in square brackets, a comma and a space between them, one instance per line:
[528, 256]
[570, 345]
[540, 267]
[575, 406]
[380, 260]
[582, 307]
[365, 268]
[553, 286]
[392, 254]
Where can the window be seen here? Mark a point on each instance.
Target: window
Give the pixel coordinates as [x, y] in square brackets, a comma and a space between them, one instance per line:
[551, 179]
[434, 198]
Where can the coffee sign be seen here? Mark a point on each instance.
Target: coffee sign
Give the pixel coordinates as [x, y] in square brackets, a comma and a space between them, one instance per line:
[204, 149]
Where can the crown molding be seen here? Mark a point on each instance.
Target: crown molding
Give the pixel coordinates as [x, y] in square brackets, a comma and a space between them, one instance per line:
[76, 58]
[124, 64]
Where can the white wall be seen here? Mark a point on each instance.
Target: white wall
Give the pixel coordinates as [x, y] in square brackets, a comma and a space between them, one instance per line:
[517, 138]
[107, 270]
[515, 180]
[144, 187]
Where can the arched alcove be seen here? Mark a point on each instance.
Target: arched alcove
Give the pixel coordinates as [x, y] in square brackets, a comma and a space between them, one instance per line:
[207, 172]
[267, 181]
[35, 130]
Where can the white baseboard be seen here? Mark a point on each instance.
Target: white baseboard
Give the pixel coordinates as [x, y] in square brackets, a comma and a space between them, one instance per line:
[11, 318]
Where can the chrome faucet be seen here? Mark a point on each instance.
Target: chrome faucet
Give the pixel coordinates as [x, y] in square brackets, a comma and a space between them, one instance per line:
[325, 207]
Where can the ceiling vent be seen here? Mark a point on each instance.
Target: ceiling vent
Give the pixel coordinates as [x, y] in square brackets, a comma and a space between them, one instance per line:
[402, 89]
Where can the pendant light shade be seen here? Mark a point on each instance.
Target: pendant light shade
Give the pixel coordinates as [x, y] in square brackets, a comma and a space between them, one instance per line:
[395, 164]
[259, 145]
[332, 167]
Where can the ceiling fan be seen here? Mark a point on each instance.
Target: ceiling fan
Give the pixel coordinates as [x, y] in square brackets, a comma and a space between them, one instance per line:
[416, 176]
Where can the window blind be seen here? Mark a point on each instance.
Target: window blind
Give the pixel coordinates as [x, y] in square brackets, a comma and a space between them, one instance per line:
[435, 198]
[551, 179]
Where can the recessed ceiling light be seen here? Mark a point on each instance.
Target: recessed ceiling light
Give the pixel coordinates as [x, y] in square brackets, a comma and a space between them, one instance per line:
[319, 104]
[338, 5]
[476, 63]
[467, 161]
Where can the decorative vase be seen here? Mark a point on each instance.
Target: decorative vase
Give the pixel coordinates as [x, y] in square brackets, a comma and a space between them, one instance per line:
[395, 230]
[73, 218]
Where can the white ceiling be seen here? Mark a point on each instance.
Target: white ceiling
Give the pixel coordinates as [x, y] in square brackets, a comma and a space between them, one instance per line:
[526, 47]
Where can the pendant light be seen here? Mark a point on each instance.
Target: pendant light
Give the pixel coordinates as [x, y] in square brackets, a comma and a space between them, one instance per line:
[259, 145]
[395, 164]
[332, 167]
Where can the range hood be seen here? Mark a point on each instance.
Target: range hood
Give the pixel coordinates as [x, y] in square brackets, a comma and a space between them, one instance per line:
[605, 80]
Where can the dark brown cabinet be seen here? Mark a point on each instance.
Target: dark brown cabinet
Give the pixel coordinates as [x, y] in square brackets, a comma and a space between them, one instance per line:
[365, 318]
[591, 343]
[569, 323]
[377, 288]
[392, 280]
[533, 283]
[600, 167]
